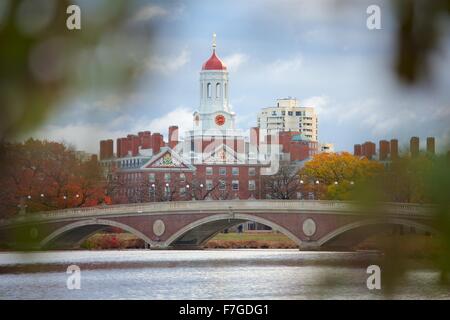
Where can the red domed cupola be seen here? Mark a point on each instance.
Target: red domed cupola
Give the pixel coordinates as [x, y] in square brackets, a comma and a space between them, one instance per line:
[214, 63]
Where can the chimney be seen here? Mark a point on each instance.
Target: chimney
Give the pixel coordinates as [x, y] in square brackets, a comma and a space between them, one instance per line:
[119, 147]
[431, 145]
[102, 149]
[254, 136]
[135, 143]
[173, 136]
[394, 149]
[368, 149]
[357, 150]
[157, 142]
[384, 150]
[146, 140]
[108, 149]
[414, 146]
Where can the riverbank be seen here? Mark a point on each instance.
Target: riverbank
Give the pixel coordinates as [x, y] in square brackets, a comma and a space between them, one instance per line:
[414, 246]
[247, 240]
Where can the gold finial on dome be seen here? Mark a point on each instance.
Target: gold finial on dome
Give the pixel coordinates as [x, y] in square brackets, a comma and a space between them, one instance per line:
[214, 41]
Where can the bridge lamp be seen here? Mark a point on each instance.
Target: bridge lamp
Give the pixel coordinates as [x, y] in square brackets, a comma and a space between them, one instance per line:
[153, 185]
[65, 197]
[335, 182]
[188, 186]
[317, 181]
[77, 196]
[167, 184]
[301, 181]
[42, 195]
[352, 183]
[201, 185]
[29, 197]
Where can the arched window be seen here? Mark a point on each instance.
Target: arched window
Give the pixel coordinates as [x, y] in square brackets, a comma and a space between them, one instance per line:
[208, 90]
[225, 92]
[218, 88]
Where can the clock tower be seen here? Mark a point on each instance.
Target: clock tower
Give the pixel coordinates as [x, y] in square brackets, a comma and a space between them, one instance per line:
[214, 112]
[214, 129]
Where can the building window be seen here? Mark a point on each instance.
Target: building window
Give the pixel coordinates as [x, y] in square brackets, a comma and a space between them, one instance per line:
[167, 177]
[225, 87]
[235, 171]
[209, 185]
[209, 171]
[298, 113]
[290, 113]
[182, 177]
[283, 113]
[235, 185]
[218, 88]
[182, 191]
[251, 171]
[208, 90]
[251, 185]
[274, 113]
[222, 171]
[222, 185]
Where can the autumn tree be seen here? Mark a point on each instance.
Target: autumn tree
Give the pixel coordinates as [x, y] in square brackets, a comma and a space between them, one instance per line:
[337, 173]
[43, 175]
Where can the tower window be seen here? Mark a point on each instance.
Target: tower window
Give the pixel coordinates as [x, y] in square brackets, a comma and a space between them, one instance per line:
[225, 87]
[208, 90]
[218, 88]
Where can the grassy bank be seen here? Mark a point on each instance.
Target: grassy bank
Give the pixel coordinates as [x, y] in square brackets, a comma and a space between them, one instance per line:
[250, 240]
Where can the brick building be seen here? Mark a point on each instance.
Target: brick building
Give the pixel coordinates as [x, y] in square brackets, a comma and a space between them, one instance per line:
[214, 160]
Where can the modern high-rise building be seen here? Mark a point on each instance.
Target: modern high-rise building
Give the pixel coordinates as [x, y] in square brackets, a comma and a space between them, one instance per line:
[288, 115]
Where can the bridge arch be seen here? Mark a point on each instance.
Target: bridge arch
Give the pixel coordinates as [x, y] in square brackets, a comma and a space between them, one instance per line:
[373, 222]
[90, 227]
[232, 219]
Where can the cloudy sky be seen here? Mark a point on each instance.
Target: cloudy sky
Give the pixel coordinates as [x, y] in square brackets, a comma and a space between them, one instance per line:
[322, 54]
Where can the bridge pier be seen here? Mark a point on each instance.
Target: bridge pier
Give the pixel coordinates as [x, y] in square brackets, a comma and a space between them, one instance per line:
[309, 246]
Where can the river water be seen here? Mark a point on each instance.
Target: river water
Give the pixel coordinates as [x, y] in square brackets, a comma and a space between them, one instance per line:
[207, 274]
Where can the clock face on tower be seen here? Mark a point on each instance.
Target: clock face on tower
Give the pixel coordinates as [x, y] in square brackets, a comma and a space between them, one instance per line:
[220, 120]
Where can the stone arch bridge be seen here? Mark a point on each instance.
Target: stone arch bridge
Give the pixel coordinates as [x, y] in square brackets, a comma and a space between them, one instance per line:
[189, 224]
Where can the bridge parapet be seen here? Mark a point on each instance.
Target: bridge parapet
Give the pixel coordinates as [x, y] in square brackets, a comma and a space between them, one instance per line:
[236, 206]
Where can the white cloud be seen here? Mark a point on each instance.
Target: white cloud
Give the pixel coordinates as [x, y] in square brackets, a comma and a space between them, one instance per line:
[87, 137]
[181, 117]
[169, 64]
[84, 137]
[234, 61]
[149, 12]
[319, 103]
[286, 66]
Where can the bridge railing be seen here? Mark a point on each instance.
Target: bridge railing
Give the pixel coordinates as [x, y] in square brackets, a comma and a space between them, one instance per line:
[211, 206]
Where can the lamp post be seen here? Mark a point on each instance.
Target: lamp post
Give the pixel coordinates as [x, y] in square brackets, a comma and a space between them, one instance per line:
[317, 188]
[167, 192]
[153, 192]
[201, 191]
[187, 187]
[301, 189]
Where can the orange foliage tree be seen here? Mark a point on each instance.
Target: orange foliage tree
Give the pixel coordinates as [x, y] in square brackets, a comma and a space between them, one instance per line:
[338, 173]
[43, 175]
